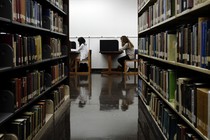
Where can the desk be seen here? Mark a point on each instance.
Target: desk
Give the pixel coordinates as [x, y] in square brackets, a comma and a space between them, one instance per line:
[73, 56]
[109, 55]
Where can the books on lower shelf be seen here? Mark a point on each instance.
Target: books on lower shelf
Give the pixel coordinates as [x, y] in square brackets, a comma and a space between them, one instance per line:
[167, 120]
[189, 96]
[163, 80]
[23, 89]
[31, 121]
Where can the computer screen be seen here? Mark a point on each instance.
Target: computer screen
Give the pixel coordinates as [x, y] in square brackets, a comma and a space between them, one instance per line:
[73, 44]
[109, 45]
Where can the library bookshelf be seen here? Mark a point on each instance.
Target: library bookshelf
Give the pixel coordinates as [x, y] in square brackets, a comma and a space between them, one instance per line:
[34, 53]
[174, 68]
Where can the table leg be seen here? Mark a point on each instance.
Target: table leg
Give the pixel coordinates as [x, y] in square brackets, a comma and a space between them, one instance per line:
[109, 64]
[109, 71]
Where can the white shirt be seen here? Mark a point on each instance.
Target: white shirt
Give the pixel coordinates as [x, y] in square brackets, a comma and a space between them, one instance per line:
[128, 50]
[83, 51]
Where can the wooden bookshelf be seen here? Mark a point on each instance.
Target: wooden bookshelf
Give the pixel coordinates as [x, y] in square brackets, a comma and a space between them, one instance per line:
[34, 35]
[185, 65]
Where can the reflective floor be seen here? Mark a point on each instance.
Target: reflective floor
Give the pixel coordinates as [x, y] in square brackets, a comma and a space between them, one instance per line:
[104, 107]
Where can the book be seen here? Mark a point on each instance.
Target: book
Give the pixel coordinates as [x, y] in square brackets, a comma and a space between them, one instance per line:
[171, 85]
[38, 45]
[17, 128]
[181, 132]
[42, 104]
[178, 94]
[31, 120]
[203, 44]
[24, 90]
[203, 110]
[208, 49]
[171, 47]
[200, 22]
[23, 128]
[18, 10]
[14, 10]
[195, 45]
[10, 40]
[28, 126]
[25, 50]
[22, 11]
[172, 126]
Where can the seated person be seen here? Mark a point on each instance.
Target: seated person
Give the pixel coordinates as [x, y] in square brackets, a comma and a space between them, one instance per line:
[129, 51]
[83, 54]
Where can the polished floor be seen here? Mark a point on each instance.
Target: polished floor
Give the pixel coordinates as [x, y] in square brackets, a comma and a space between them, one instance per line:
[104, 107]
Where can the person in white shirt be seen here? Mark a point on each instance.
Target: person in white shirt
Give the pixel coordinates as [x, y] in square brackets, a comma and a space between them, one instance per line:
[83, 50]
[129, 51]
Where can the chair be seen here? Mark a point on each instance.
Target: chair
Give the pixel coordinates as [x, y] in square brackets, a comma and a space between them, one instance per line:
[135, 61]
[88, 61]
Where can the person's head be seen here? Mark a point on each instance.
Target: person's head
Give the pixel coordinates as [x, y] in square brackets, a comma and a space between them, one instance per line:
[82, 104]
[124, 40]
[81, 40]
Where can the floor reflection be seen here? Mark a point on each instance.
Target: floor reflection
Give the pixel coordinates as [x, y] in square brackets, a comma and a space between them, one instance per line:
[107, 105]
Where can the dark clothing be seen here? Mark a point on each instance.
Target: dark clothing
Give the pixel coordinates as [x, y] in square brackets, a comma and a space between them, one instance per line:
[122, 59]
[83, 67]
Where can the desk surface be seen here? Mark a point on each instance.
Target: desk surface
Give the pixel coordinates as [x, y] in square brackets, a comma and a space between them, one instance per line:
[111, 52]
[74, 52]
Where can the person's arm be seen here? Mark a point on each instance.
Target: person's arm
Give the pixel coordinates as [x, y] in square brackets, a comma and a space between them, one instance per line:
[124, 47]
[79, 48]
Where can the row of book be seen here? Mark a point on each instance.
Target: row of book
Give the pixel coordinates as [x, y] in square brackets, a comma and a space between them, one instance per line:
[54, 45]
[143, 69]
[189, 96]
[141, 3]
[57, 72]
[192, 101]
[162, 45]
[56, 21]
[58, 96]
[189, 44]
[163, 80]
[162, 10]
[27, 12]
[25, 88]
[28, 124]
[58, 3]
[33, 13]
[168, 121]
[27, 49]
[181, 4]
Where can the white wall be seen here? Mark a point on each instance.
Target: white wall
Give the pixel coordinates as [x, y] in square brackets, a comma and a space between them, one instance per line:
[103, 19]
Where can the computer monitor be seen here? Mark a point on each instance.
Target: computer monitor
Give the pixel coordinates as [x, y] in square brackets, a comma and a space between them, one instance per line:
[73, 44]
[109, 45]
